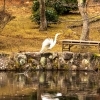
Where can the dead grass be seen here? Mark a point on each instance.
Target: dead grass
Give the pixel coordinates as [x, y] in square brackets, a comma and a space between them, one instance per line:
[23, 35]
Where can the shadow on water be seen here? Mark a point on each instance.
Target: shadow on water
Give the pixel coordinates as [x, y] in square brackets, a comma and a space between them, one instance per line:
[50, 85]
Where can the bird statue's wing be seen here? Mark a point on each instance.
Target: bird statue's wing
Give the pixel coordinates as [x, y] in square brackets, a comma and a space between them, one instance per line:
[46, 44]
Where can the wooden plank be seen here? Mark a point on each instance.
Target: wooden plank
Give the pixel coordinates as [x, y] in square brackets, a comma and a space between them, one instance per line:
[66, 43]
[80, 41]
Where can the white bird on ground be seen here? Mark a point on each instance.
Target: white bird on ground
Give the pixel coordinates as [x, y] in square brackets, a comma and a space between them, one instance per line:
[49, 43]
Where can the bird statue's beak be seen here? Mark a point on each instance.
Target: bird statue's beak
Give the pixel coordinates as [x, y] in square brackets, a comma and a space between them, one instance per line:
[60, 33]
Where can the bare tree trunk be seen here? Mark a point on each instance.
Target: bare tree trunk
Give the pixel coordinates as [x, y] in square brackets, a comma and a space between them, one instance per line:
[43, 21]
[83, 11]
[4, 5]
[4, 19]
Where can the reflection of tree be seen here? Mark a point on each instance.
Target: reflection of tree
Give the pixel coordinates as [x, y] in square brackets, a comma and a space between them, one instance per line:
[39, 91]
[93, 81]
[3, 79]
[19, 81]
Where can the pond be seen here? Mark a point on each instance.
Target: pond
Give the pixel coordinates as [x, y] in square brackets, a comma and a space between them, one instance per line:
[50, 85]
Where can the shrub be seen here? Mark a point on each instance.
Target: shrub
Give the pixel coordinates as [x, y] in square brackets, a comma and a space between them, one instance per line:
[35, 5]
[35, 17]
[59, 7]
[62, 6]
[72, 5]
[51, 15]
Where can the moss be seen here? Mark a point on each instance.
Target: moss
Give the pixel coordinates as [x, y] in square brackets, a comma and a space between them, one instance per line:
[97, 54]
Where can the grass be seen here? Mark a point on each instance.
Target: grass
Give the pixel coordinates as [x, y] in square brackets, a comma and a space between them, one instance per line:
[21, 34]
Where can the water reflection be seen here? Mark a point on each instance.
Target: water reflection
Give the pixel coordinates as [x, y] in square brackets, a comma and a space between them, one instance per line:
[75, 85]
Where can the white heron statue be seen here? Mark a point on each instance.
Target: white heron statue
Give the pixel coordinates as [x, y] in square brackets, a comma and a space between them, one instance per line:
[49, 43]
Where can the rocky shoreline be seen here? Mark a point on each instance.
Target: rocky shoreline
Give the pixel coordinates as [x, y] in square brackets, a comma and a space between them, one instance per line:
[49, 61]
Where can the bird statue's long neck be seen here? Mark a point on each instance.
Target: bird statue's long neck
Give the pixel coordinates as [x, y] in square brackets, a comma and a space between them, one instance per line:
[53, 42]
[55, 39]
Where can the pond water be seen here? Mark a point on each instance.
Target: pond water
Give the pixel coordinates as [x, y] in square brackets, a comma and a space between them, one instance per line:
[50, 85]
